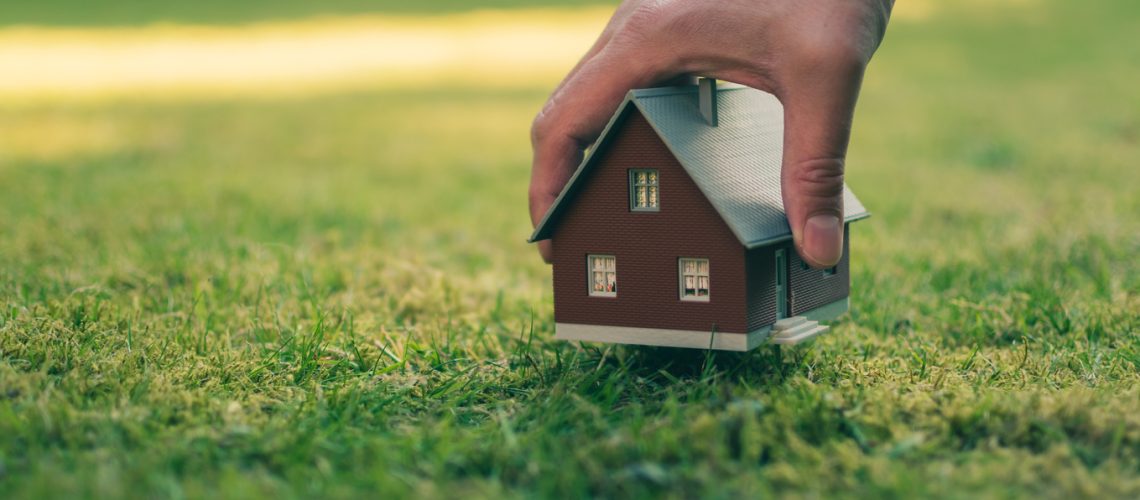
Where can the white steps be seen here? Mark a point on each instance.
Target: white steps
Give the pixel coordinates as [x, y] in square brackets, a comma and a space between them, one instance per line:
[788, 322]
[791, 331]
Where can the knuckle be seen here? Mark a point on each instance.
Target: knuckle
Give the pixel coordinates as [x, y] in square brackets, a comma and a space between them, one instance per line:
[537, 202]
[682, 22]
[553, 123]
[542, 192]
[651, 14]
[540, 127]
[659, 23]
[831, 52]
[537, 193]
[819, 178]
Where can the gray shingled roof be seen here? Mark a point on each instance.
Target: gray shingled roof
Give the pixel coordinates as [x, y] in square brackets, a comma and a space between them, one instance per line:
[735, 164]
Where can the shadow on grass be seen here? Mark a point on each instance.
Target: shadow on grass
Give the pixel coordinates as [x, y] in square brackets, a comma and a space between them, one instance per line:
[766, 366]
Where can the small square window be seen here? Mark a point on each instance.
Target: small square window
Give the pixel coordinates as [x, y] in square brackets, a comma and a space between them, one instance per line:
[644, 191]
[831, 271]
[602, 275]
[694, 283]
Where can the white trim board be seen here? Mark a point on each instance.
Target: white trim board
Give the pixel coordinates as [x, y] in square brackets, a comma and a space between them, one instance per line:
[692, 339]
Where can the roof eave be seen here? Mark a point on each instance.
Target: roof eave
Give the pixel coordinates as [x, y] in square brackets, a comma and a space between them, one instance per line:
[788, 236]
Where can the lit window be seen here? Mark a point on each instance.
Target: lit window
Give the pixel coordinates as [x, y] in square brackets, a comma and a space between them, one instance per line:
[643, 190]
[694, 279]
[603, 275]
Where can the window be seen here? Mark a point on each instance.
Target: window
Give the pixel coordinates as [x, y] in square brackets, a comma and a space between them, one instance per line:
[643, 190]
[694, 279]
[602, 277]
[826, 272]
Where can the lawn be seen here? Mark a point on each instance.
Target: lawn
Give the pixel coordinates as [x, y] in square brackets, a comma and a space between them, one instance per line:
[330, 295]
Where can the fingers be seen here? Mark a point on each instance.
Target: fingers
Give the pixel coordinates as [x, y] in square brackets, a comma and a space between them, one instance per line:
[614, 24]
[573, 118]
[819, 103]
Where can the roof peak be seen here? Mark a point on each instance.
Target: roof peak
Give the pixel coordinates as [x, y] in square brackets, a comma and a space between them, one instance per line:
[736, 165]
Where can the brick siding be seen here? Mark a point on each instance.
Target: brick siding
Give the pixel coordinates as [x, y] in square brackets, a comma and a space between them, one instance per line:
[646, 245]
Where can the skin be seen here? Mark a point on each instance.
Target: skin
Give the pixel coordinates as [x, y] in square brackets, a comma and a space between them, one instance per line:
[810, 54]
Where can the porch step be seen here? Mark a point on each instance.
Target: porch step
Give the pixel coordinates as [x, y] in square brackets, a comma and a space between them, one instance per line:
[791, 331]
[788, 322]
[784, 339]
[798, 329]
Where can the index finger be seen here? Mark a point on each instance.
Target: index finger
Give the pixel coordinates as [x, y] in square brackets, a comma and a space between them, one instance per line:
[573, 119]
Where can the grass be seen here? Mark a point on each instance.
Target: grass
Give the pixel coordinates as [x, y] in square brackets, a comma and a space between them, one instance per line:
[331, 296]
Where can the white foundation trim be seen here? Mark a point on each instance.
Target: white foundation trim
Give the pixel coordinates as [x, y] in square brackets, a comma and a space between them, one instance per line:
[692, 339]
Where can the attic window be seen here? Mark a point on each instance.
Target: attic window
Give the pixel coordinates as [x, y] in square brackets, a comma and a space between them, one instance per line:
[602, 278]
[694, 279]
[643, 190]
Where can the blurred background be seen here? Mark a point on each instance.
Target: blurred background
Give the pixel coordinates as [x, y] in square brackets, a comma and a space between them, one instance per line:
[55, 49]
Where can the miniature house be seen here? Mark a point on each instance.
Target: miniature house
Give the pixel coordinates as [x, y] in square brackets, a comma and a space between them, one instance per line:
[672, 232]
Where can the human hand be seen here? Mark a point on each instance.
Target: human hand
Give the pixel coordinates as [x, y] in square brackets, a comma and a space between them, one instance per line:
[810, 54]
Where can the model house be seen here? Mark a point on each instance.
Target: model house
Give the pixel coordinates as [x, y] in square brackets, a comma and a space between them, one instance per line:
[672, 231]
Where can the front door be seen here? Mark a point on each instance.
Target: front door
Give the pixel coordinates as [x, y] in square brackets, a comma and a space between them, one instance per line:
[781, 284]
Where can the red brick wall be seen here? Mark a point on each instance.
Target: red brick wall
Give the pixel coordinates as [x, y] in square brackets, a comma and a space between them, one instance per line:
[646, 245]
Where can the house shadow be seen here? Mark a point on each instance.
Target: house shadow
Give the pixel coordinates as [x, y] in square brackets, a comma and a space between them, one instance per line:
[765, 366]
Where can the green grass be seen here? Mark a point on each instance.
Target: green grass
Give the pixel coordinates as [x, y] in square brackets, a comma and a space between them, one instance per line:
[141, 12]
[331, 296]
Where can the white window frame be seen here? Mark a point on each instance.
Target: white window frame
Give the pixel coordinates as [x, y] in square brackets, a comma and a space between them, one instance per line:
[681, 275]
[590, 275]
[633, 185]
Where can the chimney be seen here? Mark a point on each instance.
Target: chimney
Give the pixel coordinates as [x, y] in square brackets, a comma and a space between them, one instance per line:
[706, 93]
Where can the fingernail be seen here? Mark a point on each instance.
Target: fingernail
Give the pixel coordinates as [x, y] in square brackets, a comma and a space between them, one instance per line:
[823, 239]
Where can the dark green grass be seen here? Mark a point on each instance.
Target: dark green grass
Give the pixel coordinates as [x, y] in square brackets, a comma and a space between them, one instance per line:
[141, 12]
[332, 297]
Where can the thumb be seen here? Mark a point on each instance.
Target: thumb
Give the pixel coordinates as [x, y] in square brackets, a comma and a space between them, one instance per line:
[817, 125]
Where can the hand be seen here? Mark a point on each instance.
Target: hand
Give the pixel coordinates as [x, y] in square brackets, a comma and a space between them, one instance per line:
[811, 54]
